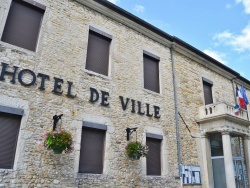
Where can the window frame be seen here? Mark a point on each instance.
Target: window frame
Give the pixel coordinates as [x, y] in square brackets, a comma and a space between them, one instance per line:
[207, 83]
[157, 138]
[107, 37]
[155, 59]
[16, 112]
[95, 127]
[36, 3]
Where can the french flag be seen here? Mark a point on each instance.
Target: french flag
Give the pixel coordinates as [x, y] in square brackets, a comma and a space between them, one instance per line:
[240, 98]
[236, 109]
[244, 95]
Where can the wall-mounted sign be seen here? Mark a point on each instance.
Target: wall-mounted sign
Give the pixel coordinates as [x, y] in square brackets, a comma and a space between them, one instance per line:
[95, 95]
[191, 174]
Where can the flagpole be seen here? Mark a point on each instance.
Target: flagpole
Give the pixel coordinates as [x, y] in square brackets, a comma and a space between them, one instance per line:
[233, 84]
[247, 113]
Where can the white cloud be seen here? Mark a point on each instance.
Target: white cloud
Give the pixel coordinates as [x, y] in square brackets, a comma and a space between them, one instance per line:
[114, 1]
[242, 74]
[139, 8]
[228, 6]
[240, 42]
[216, 55]
[246, 4]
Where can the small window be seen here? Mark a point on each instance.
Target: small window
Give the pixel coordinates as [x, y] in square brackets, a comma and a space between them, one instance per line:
[151, 73]
[9, 130]
[23, 25]
[207, 88]
[92, 150]
[216, 144]
[98, 53]
[154, 156]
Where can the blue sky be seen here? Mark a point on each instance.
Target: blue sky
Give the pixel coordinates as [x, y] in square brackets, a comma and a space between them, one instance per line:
[219, 28]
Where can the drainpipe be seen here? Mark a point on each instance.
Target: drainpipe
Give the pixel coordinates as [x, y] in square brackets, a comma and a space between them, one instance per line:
[176, 112]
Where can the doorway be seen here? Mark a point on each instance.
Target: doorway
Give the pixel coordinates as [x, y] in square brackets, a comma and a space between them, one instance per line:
[218, 165]
[238, 160]
[217, 158]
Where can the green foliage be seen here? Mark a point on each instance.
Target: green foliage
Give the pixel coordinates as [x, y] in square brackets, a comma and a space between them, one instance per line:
[136, 150]
[61, 140]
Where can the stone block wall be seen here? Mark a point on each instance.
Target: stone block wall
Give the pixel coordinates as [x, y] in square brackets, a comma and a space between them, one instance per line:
[190, 93]
[62, 53]
[189, 74]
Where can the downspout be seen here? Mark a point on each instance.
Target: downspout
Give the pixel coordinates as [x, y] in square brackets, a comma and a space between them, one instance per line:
[176, 112]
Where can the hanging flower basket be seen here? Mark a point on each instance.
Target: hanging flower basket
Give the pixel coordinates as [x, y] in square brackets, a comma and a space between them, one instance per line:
[58, 141]
[135, 150]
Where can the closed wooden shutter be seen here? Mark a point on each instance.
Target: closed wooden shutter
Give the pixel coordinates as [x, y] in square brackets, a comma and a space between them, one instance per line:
[92, 151]
[9, 129]
[207, 87]
[151, 73]
[154, 157]
[98, 53]
[23, 25]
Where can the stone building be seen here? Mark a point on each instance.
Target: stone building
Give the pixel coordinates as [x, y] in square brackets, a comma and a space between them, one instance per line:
[106, 70]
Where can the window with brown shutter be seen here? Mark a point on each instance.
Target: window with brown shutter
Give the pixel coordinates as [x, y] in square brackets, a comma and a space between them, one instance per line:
[9, 130]
[98, 53]
[92, 150]
[154, 156]
[151, 73]
[23, 25]
[207, 88]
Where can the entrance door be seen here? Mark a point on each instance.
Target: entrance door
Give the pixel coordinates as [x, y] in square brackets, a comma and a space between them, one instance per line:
[217, 158]
[239, 172]
[219, 172]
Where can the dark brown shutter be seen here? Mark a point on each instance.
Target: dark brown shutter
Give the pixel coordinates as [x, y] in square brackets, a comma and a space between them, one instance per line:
[92, 151]
[154, 157]
[9, 129]
[207, 87]
[23, 25]
[98, 53]
[151, 73]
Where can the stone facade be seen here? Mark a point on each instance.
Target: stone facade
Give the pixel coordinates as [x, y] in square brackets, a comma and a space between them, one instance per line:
[61, 53]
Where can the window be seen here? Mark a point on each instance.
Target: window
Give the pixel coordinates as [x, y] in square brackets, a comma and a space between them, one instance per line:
[216, 144]
[9, 130]
[23, 25]
[98, 52]
[151, 72]
[154, 155]
[207, 88]
[92, 148]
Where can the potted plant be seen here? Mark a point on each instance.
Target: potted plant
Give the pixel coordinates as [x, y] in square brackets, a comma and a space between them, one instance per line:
[135, 150]
[58, 141]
